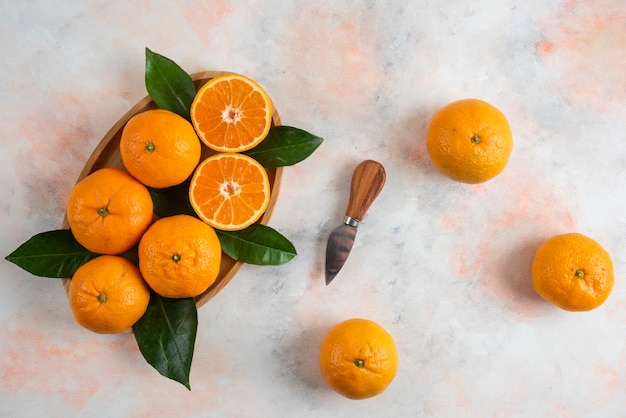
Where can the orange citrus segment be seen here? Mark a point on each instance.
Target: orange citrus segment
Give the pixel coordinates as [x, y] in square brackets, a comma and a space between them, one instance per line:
[229, 191]
[231, 113]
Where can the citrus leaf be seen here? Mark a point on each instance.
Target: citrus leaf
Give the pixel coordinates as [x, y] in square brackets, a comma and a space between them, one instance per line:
[172, 200]
[284, 146]
[168, 85]
[166, 335]
[257, 244]
[54, 254]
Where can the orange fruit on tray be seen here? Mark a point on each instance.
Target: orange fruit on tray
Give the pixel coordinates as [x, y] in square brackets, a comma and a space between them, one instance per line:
[159, 148]
[469, 141]
[108, 211]
[229, 191]
[358, 358]
[179, 256]
[107, 294]
[231, 113]
[573, 272]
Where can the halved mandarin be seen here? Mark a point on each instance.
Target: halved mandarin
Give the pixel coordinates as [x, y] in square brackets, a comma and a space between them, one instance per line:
[231, 113]
[229, 191]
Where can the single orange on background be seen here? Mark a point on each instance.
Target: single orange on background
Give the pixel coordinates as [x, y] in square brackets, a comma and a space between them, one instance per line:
[108, 211]
[229, 191]
[573, 272]
[107, 294]
[159, 148]
[179, 256]
[231, 113]
[358, 358]
[469, 141]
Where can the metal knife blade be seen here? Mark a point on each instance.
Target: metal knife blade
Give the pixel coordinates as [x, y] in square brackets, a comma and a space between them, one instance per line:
[368, 180]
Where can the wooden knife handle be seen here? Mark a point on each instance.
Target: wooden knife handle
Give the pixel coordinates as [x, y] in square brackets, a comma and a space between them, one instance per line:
[368, 180]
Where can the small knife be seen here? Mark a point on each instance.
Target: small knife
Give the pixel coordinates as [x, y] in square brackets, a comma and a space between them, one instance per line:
[368, 180]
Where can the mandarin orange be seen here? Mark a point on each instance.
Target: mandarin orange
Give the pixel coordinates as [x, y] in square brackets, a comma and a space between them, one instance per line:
[573, 272]
[108, 211]
[179, 256]
[108, 295]
[229, 191]
[358, 358]
[231, 113]
[159, 148]
[469, 141]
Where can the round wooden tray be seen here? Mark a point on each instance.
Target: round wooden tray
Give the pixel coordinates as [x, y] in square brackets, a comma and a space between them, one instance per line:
[107, 154]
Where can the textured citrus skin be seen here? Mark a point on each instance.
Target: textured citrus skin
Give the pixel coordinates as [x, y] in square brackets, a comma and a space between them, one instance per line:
[229, 191]
[159, 148]
[108, 211]
[107, 294]
[231, 113]
[358, 358]
[573, 272]
[179, 256]
[469, 141]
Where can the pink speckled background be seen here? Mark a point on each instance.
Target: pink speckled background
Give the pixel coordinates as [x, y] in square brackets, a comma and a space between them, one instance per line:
[444, 267]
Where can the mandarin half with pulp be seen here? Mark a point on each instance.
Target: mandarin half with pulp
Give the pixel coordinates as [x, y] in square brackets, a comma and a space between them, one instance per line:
[231, 113]
[229, 191]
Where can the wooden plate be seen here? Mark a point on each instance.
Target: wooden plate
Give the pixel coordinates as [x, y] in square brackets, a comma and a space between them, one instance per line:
[107, 154]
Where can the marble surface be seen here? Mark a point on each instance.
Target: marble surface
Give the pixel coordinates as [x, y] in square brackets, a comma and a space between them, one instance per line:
[444, 267]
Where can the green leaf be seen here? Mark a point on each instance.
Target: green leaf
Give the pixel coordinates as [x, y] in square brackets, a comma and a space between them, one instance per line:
[54, 254]
[166, 335]
[284, 146]
[258, 244]
[170, 86]
[172, 200]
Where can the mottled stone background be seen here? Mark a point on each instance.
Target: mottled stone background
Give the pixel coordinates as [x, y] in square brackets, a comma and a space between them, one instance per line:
[444, 267]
